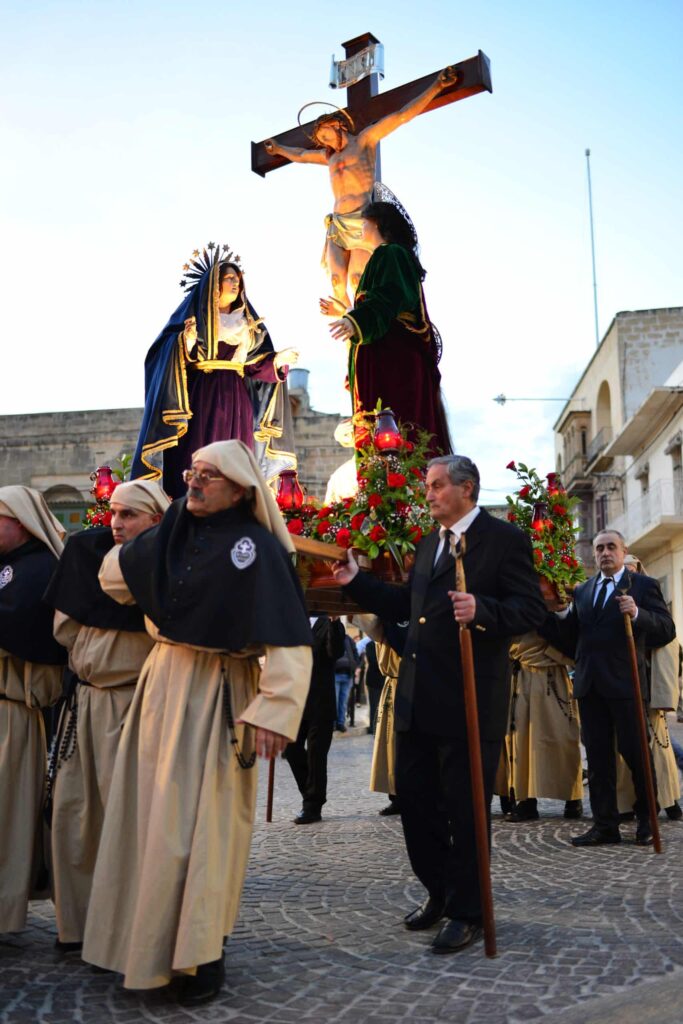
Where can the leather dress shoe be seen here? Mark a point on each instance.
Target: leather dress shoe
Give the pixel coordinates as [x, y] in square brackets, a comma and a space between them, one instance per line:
[643, 833]
[674, 813]
[307, 818]
[204, 986]
[391, 808]
[524, 810]
[456, 935]
[573, 810]
[425, 916]
[68, 947]
[596, 837]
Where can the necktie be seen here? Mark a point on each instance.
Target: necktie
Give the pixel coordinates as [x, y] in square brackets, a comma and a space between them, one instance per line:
[602, 596]
[445, 559]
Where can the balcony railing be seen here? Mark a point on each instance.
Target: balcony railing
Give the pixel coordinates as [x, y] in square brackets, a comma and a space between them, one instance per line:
[574, 470]
[600, 441]
[664, 499]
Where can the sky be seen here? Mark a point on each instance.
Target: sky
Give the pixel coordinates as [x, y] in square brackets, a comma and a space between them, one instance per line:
[126, 130]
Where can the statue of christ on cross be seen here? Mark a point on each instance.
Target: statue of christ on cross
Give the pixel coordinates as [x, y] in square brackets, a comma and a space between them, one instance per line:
[352, 160]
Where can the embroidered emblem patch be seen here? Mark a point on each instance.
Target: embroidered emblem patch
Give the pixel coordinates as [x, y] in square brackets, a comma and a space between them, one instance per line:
[6, 576]
[243, 553]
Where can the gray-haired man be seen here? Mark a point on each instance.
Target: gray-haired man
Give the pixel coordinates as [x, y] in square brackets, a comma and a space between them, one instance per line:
[503, 599]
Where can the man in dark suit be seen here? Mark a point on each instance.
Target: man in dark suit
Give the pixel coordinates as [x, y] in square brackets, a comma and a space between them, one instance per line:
[503, 599]
[307, 756]
[592, 632]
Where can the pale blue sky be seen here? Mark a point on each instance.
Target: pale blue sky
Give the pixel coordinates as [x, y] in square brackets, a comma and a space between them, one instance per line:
[126, 130]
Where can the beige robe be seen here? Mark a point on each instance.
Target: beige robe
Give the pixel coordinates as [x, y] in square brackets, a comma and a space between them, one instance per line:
[542, 755]
[383, 769]
[178, 823]
[110, 661]
[25, 687]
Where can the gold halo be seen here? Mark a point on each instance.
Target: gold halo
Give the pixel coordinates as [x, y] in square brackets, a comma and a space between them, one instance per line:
[325, 103]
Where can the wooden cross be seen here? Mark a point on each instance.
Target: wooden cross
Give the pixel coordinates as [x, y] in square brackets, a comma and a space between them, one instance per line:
[366, 105]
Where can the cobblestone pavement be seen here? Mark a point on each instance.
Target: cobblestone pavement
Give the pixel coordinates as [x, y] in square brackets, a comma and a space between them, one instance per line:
[590, 935]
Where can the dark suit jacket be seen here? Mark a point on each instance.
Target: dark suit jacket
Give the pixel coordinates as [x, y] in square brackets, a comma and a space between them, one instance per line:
[597, 642]
[328, 645]
[500, 573]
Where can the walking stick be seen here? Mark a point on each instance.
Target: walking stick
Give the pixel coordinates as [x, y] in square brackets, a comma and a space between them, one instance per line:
[642, 730]
[271, 786]
[481, 832]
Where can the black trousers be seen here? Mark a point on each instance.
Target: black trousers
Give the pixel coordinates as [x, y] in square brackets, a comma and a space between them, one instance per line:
[434, 788]
[374, 693]
[602, 721]
[307, 758]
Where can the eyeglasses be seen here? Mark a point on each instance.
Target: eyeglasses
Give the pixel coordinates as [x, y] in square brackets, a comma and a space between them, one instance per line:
[203, 478]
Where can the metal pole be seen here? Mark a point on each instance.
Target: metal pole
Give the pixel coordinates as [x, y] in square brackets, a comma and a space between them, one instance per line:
[590, 212]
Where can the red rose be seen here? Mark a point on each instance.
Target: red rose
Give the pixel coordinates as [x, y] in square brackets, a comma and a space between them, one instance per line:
[402, 508]
[566, 559]
[295, 526]
[538, 555]
[559, 510]
[357, 520]
[574, 563]
[416, 472]
[511, 465]
[415, 534]
[512, 518]
[374, 500]
[347, 502]
[396, 480]
[362, 482]
[409, 446]
[525, 491]
[377, 532]
[343, 537]
[551, 478]
[324, 512]
[323, 527]
[550, 549]
[551, 562]
[106, 518]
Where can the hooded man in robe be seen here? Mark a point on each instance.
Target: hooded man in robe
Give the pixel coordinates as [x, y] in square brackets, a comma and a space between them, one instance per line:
[31, 669]
[107, 644]
[217, 586]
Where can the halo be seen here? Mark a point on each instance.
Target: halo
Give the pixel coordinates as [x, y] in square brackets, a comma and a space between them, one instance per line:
[324, 103]
[203, 260]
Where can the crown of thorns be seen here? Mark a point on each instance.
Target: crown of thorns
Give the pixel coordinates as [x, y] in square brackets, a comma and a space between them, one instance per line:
[202, 260]
[337, 114]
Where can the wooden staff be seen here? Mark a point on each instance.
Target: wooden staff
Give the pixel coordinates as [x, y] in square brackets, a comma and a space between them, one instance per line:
[481, 832]
[642, 730]
[271, 787]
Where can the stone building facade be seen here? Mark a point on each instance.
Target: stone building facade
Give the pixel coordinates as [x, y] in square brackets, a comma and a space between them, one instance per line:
[55, 452]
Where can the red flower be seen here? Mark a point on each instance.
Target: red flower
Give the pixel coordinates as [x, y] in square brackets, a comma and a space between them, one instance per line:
[559, 510]
[416, 472]
[415, 534]
[409, 446]
[362, 482]
[566, 559]
[323, 527]
[324, 512]
[396, 480]
[377, 532]
[343, 538]
[106, 518]
[357, 520]
[550, 549]
[525, 491]
[512, 518]
[538, 555]
[574, 563]
[347, 502]
[551, 478]
[295, 526]
[511, 465]
[374, 500]
[551, 562]
[402, 508]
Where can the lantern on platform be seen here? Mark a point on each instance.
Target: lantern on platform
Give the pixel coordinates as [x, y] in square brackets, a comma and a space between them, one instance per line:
[104, 483]
[387, 436]
[539, 517]
[289, 493]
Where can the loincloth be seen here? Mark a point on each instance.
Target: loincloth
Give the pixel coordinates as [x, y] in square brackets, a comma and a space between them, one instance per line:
[346, 231]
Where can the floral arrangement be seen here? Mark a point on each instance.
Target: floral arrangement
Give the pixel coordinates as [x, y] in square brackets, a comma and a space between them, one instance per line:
[543, 509]
[388, 514]
[99, 514]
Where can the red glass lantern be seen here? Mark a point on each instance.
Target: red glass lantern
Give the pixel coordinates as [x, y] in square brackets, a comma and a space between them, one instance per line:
[289, 493]
[387, 436]
[539, 517]
[104, 483]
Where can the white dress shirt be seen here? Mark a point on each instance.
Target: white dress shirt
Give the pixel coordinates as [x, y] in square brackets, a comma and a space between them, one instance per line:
[457, 529]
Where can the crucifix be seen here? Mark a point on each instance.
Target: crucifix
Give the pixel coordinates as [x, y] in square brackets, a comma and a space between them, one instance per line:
[347, 141]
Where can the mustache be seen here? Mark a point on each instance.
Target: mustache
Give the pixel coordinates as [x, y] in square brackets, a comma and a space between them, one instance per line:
[192, 492]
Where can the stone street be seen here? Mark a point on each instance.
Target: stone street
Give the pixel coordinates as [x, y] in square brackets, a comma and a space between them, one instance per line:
[583, 935]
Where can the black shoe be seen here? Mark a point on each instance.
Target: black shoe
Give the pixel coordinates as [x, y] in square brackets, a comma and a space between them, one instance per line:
[573, 809]
[627, 816]
[204, 986]
[643, 833]
[596, 837]
[307, 817]
[674, 813]
[525, 810]
[391, 808]
[68, 947]
[456, 935]
[425, 916]
[340, 728]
